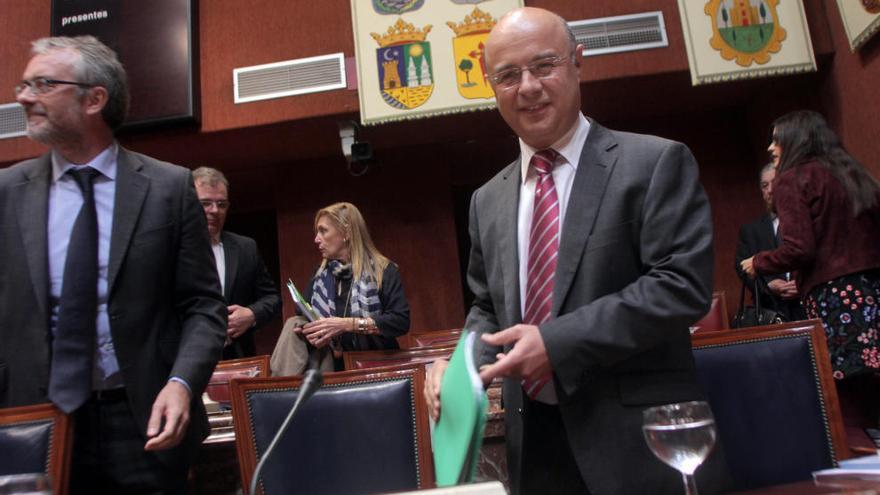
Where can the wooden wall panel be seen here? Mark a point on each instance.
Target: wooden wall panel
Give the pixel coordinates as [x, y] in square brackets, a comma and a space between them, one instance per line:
[239, 34]
[20, 23]
[849, 95]
[236, 34]
[407, 207]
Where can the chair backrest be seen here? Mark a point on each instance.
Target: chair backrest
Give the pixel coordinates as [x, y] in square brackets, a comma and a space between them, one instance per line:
[364, 431]
[432, 338]
[36, 439]
[774, 401]
[226, 371]
[716, 318]
[356, 360]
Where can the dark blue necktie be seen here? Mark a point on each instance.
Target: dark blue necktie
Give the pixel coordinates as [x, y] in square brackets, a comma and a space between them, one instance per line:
[73, 348]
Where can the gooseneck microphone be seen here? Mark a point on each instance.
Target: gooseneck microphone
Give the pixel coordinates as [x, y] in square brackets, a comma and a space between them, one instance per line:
[312, 381]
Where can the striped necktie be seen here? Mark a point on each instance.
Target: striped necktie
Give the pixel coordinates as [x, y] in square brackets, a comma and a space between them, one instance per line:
[543, 253]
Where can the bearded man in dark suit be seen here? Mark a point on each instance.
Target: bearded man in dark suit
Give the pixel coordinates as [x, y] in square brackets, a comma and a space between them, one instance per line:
[591, 255]
[129, 353]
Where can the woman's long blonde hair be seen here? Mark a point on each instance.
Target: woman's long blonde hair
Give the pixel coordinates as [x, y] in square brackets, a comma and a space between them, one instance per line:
[348, 219]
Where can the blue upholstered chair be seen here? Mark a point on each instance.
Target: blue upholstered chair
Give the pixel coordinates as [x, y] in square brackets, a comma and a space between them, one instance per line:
[774, 401]
[36, 439]
[364, 431]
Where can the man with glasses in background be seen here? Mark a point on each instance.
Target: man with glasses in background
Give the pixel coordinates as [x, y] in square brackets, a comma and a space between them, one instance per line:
[249, 290]
[591, 254]
[110, 305]
[776, 292]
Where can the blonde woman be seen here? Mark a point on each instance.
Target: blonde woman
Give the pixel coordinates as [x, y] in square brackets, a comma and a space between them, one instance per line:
[356, 289]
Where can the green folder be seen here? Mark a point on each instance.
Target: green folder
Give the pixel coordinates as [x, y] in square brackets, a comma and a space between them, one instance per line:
[304, 307]
[458, 434]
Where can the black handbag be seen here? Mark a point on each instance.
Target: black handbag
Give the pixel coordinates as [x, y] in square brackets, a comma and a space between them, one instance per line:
[754, 316]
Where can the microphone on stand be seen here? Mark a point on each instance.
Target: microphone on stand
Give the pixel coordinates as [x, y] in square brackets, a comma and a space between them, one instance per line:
[312, 381]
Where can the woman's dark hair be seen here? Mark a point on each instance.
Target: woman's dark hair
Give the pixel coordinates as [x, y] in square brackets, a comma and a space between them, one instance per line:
[804, 136]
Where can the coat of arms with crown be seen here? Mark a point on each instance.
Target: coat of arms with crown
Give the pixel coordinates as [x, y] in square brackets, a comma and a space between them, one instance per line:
[468, 47]
[406, 76]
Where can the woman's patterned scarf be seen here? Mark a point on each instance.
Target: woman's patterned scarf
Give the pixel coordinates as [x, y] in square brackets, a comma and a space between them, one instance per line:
[363, 296]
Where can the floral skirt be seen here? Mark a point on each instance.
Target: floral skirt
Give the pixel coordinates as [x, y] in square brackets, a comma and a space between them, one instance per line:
[848, 308]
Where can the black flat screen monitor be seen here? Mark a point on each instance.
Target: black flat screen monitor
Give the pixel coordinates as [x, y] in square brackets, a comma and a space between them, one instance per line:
[156, 42]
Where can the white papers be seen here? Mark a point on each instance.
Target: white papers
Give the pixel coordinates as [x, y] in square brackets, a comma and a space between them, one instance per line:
[859, 469]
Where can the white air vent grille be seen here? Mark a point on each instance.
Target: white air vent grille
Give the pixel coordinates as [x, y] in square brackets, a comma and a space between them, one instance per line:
[288, 78]
[13, 122]
[621, 33]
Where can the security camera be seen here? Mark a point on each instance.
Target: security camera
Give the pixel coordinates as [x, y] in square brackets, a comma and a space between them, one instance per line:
[361, 152]
[347, 137]
[358, 154]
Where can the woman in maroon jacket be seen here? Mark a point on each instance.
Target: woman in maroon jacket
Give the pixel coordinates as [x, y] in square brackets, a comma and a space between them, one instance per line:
[829, 220]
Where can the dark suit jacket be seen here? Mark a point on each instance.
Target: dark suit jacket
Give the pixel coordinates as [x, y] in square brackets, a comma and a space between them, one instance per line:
[755, 237]
[167, 315]
[634, 271]
[249, 284]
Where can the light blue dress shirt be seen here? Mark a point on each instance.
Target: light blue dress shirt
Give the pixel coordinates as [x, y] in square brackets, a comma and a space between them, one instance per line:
[65, 201]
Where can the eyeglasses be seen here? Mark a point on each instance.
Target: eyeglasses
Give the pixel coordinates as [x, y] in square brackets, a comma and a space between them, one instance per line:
[42, 85]
[541, 69]
[221, 204]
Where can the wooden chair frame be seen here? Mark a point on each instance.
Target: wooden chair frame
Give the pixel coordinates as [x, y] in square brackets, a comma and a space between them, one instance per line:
[61, 443]
[719, 305]
[244, 433]
[432, 338]
[226, 371]
[260, 362]
[356, 360]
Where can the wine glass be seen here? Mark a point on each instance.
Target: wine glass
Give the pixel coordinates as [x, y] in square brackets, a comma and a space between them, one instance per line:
[681, 435]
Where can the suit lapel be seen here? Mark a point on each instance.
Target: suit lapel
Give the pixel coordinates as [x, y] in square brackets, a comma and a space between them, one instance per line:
[131, 191]
[597, 160]
[230, 255]
[507, 228]
[31, 198]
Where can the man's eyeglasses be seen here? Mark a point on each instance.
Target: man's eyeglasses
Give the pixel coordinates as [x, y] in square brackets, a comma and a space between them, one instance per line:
[541, 69]
[221, 204]
[42, 85]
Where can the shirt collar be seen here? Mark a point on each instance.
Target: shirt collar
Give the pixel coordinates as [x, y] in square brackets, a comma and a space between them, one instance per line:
[105, 163]
[568, 146]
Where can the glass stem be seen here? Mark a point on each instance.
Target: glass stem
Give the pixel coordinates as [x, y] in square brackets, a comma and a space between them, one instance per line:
[690, 484]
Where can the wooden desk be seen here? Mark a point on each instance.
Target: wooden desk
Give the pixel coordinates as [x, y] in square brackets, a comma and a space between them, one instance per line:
[810, 488]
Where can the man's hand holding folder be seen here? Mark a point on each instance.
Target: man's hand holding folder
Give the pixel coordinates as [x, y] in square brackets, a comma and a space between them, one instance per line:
[458, 434]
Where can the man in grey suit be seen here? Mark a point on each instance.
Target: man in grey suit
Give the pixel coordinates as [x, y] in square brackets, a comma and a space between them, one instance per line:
[128, 354]
[247, 286]
[626, 269]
